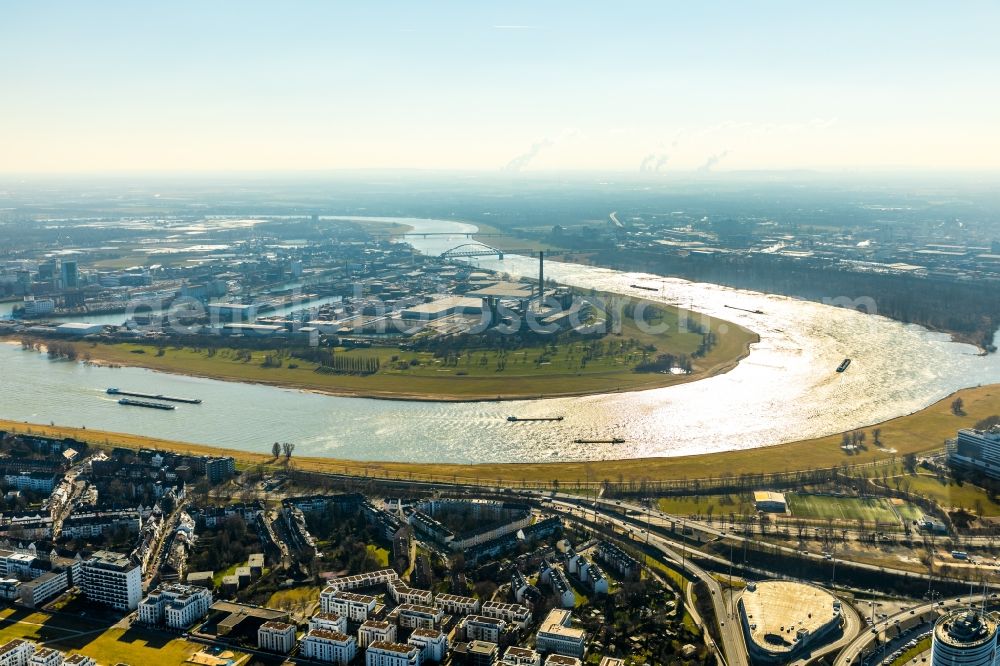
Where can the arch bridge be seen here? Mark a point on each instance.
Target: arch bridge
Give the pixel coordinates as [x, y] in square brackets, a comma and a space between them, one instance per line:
[471, 250]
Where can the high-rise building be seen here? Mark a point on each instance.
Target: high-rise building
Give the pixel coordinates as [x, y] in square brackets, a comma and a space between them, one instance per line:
[976, 451]
[68, 278]
[965, 638]
[113, 580]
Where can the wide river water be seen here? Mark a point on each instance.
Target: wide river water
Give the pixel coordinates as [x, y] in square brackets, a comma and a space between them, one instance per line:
[787, 389]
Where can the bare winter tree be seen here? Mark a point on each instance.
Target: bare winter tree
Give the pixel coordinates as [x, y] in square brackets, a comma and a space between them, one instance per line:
[287, 448]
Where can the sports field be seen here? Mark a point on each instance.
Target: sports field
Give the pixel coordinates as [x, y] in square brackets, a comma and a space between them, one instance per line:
[825, 507]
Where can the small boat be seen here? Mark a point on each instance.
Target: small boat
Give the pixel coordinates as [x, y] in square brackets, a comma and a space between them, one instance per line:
[515, 419]
[843, 365]
[733, 307]
[142, 403]
[613, 440]
[641, 286]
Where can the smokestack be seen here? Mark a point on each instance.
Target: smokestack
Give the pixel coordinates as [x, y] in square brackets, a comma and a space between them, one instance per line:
[541, 276]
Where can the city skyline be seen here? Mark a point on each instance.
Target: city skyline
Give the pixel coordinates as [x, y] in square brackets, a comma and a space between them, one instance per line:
[516, 88]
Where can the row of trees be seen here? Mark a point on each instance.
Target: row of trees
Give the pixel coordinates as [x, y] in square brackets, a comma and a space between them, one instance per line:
[55, 348]
[341, 364]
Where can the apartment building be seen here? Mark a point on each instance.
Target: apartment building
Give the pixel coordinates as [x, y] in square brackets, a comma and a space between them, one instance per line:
[34, 593]
[79, 660]
[276, 636]
[46, 656]
[381, 653]
[515, 614]
[454, 604]
[432, 643]
[331, 647]
[556, 634]
[369, 579]
[175, 606]
[412, 616]
[618, 560]
[329, 622]
[482, 628]
[16, 652]
[375, 631]
[112, 580]
[556, 578]
[520, 656]
[355, 607]
[562, 660]
[404, 594]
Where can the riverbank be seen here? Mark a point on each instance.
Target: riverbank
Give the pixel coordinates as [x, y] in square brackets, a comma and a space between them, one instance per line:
[919, 432]
[571, 368]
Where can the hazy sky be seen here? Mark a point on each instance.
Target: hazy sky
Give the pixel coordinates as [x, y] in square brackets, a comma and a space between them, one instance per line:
[668, 86]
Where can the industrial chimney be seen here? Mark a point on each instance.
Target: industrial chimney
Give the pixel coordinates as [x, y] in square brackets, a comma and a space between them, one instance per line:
[541, 276]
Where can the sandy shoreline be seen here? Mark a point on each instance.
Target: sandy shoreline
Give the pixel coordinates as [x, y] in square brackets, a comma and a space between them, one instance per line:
[918, 432]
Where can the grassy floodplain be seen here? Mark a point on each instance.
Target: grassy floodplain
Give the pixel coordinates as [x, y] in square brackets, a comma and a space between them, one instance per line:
[565, 368]
[108, 645]
[919, 432]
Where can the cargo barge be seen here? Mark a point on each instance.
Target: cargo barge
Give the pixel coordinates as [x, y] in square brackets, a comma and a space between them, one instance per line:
[142, 403]
[150, 396]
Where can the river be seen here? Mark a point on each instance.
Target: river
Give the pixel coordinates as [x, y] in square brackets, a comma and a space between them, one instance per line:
[787, 389]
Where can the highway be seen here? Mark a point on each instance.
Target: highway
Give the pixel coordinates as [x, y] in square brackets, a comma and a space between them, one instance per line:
[662, 520]
[929, 611]
[730, 630]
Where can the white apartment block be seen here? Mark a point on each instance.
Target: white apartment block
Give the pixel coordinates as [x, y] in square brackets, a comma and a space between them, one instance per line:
[556, 578]
[355, 607]
[511, 613]
[79, 660]
[413, 616]
[331, 647]
[329, 622]
[483, 628]
[381, 653]
[556, 634]
[112, 580]
[433, 644]
[45, 656]
[454, 604]
[16, 652]
[174, 605]
[370, 579]
[375, 631]
[276, 637]
[562, 660]
[520, 656]
[39, 590]
[404, 594]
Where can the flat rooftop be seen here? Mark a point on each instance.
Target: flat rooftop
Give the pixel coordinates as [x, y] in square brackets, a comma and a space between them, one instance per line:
[504, 289]
[776, 611]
